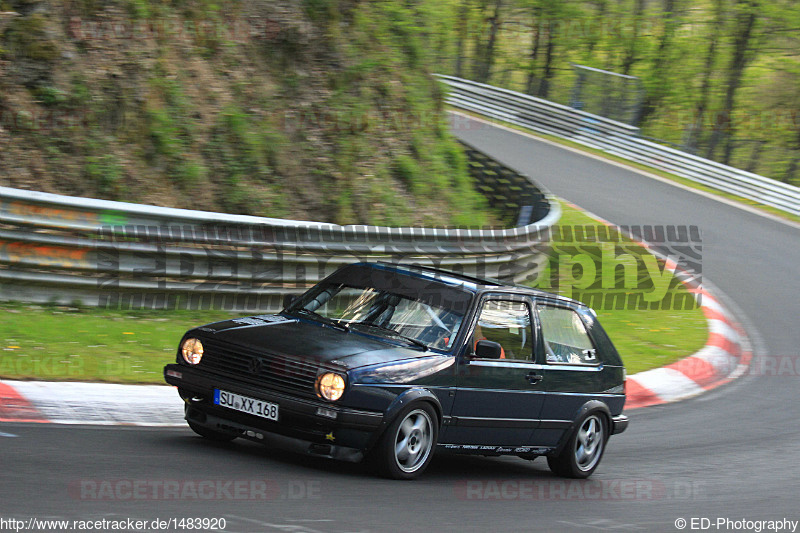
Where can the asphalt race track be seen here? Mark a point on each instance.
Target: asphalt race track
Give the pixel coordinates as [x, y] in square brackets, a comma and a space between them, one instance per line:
[732, 453]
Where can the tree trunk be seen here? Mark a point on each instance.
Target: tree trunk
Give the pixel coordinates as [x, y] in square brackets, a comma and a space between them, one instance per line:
[745, 21]
[631, 50]
[594, 37]
[488, 61]
[792, 172]
[661, 64]
[549, 56]
[535, 40]
[461, 36]
[755, 157]
[696, 128]
[478, 54]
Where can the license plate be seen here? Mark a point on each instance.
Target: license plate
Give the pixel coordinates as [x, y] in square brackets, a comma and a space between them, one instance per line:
[245, 404]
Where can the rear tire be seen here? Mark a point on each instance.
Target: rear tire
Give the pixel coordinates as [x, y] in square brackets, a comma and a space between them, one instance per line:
[210, 434]
[406, 447]
[584, 449]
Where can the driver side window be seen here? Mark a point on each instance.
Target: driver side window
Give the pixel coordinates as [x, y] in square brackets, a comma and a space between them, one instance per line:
[507, 323]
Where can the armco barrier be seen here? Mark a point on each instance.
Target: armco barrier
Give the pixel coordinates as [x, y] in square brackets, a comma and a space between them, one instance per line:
[63, 249]
[616, 138]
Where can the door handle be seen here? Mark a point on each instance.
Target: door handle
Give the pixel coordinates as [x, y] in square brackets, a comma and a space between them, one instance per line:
[534, 378]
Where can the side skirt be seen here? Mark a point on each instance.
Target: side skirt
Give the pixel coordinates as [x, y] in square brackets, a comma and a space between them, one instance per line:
[481, 449]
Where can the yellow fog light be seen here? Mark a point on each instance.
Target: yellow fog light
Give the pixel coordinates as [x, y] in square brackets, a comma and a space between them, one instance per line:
[192, 350]
[330, 386]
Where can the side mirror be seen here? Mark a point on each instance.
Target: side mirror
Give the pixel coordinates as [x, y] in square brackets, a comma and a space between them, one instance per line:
[488, 350]
[288, 299]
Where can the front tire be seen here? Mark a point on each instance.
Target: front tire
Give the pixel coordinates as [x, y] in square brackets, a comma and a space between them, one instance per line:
[584, 449]
[406, 447]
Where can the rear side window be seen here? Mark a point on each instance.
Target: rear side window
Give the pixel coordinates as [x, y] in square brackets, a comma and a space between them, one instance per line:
[565, 337]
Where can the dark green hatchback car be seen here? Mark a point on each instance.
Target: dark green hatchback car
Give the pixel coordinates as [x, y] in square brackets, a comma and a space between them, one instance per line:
[392, 363]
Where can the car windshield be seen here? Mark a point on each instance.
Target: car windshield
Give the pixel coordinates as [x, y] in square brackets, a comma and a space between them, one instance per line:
[384, 313]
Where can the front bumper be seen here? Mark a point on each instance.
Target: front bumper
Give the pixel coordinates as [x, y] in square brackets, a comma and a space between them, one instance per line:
[341, 432]
[619, 424]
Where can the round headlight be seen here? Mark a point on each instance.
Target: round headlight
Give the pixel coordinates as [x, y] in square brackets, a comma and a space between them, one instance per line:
[330, 386]
[192, 350]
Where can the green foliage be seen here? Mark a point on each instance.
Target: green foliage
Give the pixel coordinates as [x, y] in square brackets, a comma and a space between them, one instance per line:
[171, 143]
[667, 44]
[138, 9]
[328, 112]
[244, 152]
[321, 10]
[171, 132]
[106, 172]
[164, 133]
[386, 61]
[189, 173]
[88, 8]
[408, 170]
[51, 96]
[26, 38]
[79, 94]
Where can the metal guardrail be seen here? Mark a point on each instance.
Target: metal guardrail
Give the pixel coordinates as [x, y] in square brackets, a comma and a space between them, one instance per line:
[63, 249]
[618, 139]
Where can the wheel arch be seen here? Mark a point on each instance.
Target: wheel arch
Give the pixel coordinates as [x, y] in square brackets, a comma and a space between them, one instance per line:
[402, 401]
[591, 406]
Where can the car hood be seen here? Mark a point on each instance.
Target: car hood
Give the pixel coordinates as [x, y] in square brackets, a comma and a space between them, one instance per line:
[309, 340]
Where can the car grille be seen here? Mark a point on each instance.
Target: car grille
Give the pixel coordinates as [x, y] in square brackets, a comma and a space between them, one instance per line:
[274, 371]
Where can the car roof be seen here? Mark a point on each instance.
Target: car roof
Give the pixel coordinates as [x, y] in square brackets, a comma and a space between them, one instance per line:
[472, 283]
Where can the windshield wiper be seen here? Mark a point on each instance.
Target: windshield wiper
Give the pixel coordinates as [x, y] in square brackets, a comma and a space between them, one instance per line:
[325, 320]
[412, 340]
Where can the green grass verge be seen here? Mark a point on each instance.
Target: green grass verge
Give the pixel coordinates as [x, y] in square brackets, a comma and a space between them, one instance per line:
[646, 338]
[55, 343]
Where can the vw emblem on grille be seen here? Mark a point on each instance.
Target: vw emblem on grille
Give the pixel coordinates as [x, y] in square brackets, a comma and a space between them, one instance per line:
[255, 365]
